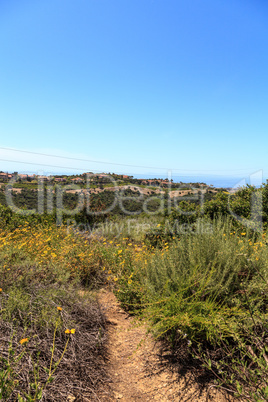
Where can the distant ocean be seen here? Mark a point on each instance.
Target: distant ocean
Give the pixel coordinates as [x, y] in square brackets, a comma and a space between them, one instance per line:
[220, 181]
[216, 181]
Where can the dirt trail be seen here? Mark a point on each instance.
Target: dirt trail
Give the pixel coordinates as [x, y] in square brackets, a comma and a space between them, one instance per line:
[136, 372]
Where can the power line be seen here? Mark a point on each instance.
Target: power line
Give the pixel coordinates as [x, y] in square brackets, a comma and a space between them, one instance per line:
[43, 164]
[82, 160]
[112, 163]
[56, 166]
[182, 176]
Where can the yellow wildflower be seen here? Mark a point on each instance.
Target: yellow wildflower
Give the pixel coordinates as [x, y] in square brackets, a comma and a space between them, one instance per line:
[59, 308]
[24, 340]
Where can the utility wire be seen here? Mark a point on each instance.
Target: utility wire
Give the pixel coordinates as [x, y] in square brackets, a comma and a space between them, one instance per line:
[43, 164]
[182, 176]
[82, 160]
[56, 166]
[113, 163]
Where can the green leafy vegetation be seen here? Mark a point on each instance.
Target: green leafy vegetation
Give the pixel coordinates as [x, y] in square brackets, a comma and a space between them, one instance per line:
[197, 276]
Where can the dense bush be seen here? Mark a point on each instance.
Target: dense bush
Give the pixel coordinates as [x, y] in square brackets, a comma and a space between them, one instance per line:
[211, 290]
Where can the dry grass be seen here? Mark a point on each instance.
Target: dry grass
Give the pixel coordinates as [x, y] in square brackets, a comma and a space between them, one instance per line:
[42, 269]
[81, 372]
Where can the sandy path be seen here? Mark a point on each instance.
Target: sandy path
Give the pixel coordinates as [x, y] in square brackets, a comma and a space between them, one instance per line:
[136, 372]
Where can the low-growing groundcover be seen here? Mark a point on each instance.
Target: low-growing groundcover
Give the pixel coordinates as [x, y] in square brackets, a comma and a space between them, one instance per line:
[52, 333]
[27, 349]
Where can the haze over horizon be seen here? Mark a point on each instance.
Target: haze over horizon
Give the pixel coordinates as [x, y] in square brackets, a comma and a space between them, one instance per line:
[134, 87]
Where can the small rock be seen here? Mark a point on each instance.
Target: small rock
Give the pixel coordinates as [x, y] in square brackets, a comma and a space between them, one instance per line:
[112, 321]
[118, 396]
[71, 398]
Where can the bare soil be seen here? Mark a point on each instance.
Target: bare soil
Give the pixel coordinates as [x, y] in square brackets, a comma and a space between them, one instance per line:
[142, 190]
[136, 365]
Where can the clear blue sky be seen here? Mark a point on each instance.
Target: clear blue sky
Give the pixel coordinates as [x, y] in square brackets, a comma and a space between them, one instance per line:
[173, 84]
